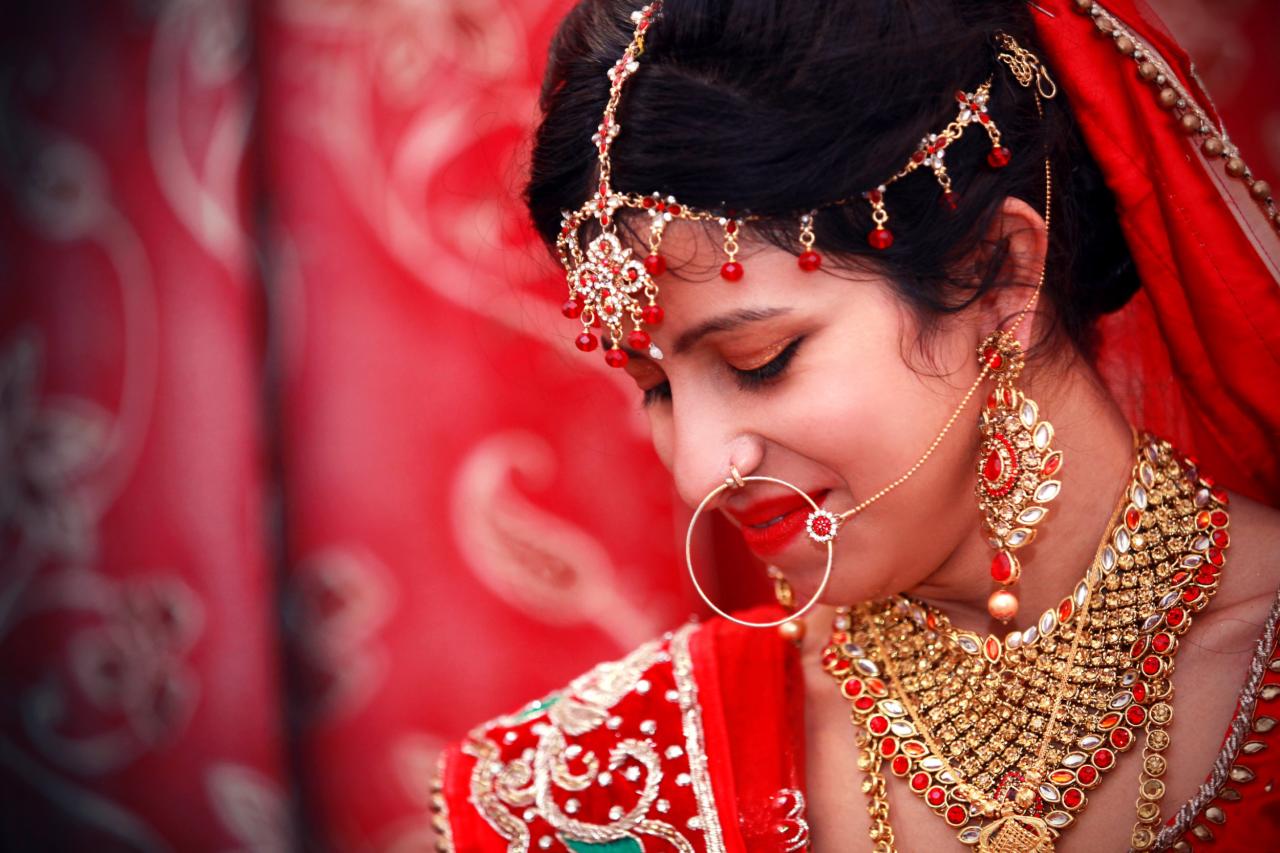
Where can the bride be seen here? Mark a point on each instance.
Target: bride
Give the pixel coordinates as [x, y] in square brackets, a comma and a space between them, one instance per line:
[965, 313]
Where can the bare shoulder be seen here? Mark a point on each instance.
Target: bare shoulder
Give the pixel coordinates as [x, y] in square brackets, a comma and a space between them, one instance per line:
[1252, 577]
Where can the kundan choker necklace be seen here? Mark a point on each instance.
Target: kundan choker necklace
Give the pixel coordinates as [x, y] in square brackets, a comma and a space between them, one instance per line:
[1003, 738]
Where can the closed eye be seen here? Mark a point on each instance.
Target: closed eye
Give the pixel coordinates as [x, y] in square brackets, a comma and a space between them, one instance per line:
[756, 377]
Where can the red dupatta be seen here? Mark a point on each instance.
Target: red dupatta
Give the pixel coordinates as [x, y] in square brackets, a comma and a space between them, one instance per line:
[1195, 356]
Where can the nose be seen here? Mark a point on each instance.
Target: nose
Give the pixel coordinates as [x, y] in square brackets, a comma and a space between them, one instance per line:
[704, 457]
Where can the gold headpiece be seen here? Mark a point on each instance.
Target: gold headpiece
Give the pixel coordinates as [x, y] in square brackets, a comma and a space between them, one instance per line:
[608, 287]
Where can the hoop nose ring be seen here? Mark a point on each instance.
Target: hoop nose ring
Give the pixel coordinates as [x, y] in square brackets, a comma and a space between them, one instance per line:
[734, 480]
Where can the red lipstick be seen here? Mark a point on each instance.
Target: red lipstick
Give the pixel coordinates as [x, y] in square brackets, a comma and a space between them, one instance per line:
[772, 538]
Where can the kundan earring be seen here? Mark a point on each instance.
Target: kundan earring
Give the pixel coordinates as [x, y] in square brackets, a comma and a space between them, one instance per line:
[1017, 468]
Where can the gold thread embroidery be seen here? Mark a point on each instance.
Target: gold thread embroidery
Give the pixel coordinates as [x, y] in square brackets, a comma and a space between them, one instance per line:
[691, 718]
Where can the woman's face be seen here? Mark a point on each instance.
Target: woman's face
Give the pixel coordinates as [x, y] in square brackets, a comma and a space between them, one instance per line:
[814, 378]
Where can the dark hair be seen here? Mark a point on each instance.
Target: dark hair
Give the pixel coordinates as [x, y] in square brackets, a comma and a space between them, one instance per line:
[778, 106]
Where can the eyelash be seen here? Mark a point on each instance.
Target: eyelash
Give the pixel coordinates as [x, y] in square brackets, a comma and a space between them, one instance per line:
[749, 379]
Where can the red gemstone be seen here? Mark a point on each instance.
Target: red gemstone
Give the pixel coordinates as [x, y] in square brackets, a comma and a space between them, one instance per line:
[877, 687]
[881, 238]
[638, 339]
[851, 687]
[731, 270]
[652, 314]
[1064, 609]
[1161, 642]
[646, 201]
[655, 264]
[1002, 567]
[918, 156]
[920, 781]
[993, 358]
[1121, 738]
[1052, 464]
[875, 196]
[878, 724]
[956, 815]
[572, 308]
[821, 525]
[673, 209]
[1073, 798]
[1140, 693]
[1136, 715]
[731, 227]
[1219, 518]
[950, 200]
[1103, 758]
[1221, 496]
[1215, 556]
[1174, 617]
[888, 747]
[809, 261]
[1132, 517]
[993, 467]
[1203, 518]
[1138, 648]
[936, 796]
[1151, 666]
[998, 157]
[615, 358]
[1191, 594]
[586, 341]
[864, 703]
[1220, 538]
[900, 765]
[1087, 775]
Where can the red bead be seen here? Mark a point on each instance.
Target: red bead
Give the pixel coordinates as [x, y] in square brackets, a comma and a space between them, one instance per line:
[1174, 617]
[956, 815]
[936, 796]
[1161, 642]
[652, 314]
[950, 200]
[920, 781]
[1103, 759]
[993, 358]
[888, 747]
[615, 358]
[900, 765]
[1132, 518]
[1120, 739]
[1073, 798]
[1088, 775]
[1002, 567]
[878, 724]
[571, 309]
[638, 339]
[999, 157]
[731, 270]
[1139, 692]
[655, 264]
[1136, 715]
[881, 238]
[809, 261]
[586, 341]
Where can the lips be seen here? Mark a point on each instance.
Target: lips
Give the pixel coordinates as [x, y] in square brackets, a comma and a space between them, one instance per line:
[768, 526]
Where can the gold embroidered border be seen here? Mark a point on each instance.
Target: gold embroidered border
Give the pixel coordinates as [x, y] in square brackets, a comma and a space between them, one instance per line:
[691, 718]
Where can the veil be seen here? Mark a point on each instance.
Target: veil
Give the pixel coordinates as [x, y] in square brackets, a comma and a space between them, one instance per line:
[1195, 355]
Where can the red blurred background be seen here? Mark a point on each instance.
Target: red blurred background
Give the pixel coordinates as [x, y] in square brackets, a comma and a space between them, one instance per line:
[299, 470]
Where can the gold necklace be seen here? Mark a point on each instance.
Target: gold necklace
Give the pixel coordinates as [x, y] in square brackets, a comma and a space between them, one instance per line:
[1004, 738]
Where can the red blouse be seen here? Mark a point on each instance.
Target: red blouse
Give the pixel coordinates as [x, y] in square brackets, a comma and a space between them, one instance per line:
[694, 741]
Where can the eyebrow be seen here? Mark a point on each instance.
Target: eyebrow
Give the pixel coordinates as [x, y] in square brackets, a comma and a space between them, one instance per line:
[723, 323]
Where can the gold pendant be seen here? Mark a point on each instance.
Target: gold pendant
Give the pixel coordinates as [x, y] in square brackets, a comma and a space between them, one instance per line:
[1017, 834]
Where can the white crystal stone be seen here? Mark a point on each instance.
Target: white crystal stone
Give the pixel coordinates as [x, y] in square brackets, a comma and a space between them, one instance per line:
[1047, 491]
[1043, 435]
[1031, 515]
[1048, 621]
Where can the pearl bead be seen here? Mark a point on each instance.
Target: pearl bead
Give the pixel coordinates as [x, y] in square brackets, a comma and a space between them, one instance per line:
[1147, 71]
[1190, 122]
[792, 630]
[1168, 97]
[1002, 605]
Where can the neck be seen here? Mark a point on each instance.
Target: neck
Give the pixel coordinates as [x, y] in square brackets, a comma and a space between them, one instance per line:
[1098, 457]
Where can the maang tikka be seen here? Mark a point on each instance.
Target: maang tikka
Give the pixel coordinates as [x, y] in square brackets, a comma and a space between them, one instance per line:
[609, 288]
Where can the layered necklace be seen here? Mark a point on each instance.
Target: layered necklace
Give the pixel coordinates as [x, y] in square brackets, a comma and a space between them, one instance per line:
[1005, 738]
